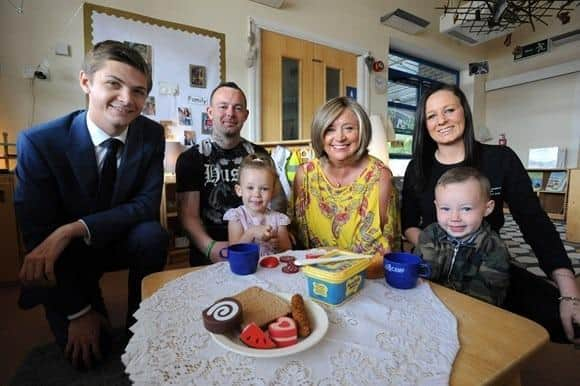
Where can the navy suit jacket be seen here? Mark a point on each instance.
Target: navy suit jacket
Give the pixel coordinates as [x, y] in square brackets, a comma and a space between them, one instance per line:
[57, 180]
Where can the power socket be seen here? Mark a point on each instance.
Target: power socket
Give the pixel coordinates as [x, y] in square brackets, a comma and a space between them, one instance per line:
[168, 88]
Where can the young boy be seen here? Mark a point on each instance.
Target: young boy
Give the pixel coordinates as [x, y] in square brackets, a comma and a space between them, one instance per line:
[464, 252]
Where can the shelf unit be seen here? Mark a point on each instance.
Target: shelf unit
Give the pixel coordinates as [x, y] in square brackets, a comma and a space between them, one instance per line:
[8, 157]
[12, 249]
[554, 203]
[169, 218]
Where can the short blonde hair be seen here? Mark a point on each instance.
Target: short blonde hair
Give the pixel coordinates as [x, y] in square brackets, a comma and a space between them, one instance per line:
[328, 113]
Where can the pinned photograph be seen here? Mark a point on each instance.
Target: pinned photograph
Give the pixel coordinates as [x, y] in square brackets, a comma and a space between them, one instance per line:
[168, 129]
[145, 50]
[206, 124]
[149, 106]
[184, 115]
[197, 76]
[188, 137]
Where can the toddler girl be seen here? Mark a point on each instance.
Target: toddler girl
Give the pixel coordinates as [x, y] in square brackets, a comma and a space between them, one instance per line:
[254, 221]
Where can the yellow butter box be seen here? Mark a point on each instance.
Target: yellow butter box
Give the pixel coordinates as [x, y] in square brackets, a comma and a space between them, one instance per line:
[334, 283]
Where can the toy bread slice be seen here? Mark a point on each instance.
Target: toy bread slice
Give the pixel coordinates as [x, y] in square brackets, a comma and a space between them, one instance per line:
[260, 306]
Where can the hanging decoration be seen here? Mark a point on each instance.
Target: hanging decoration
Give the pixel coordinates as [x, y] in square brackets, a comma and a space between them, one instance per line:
[489, 16]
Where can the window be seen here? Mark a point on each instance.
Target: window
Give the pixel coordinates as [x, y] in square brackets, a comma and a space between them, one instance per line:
[409, 78]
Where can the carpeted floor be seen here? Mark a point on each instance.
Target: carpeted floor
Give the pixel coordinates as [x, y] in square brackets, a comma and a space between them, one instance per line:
[45, 365]
[522, 252]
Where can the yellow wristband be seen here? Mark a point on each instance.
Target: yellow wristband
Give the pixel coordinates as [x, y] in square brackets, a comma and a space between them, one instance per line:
[209, 248]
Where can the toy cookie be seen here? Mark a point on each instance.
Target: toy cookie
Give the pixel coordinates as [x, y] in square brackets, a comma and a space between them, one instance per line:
[283, 332]
[223, 316]
[299, 315]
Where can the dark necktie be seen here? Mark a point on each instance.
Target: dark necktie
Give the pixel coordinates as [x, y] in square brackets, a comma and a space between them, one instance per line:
[108, 174]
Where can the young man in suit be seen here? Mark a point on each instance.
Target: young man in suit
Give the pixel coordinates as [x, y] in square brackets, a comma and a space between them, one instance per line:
[87, 201]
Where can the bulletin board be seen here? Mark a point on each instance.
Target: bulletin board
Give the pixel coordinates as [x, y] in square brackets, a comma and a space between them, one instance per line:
[186, 62]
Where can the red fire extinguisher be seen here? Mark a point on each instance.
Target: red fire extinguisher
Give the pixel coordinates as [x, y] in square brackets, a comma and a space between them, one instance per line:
[502, 140]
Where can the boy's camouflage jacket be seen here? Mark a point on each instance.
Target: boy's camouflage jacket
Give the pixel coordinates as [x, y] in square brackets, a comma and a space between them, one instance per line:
[477, 266]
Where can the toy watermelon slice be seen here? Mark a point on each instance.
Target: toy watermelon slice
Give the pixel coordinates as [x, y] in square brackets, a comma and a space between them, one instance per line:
[253, 336]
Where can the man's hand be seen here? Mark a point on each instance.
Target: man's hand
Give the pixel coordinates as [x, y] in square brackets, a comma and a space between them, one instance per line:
[39, 263]
[215, 251]
[83, 343]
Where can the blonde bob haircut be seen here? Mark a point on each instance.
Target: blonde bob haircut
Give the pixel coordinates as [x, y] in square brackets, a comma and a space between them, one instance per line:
[328, 113]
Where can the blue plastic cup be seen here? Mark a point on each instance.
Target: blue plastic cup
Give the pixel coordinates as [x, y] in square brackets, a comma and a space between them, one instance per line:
[403, 269]
[243, 258]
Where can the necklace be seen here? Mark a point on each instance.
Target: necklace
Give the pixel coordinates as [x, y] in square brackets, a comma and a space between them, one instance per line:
[449, 159]
[344, 180]
[336, 181]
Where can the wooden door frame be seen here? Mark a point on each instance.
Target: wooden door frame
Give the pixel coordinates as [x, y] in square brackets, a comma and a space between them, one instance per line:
[254, 73]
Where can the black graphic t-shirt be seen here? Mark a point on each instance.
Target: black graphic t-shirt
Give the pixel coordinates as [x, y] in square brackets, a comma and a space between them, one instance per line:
[213, 171]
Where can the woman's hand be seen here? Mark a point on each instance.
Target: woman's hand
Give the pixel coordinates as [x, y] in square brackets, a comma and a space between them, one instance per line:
[412, 235]
[570, 301]
[570, 315]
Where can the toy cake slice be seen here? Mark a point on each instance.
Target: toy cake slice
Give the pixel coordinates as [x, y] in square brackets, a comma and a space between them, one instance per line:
[260, 306]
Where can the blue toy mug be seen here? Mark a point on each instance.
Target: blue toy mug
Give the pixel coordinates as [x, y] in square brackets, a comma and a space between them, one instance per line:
[243, 258]
[403, 269]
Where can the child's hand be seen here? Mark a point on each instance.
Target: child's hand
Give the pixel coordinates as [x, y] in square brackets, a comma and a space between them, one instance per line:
[263, 232]
[274, 242]
[268, 233]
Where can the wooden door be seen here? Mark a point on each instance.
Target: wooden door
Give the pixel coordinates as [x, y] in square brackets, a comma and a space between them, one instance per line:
[297, 77]
[573, 211]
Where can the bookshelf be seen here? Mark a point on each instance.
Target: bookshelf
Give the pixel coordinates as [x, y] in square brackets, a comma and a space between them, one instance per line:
[551, 186]
[12, 249]
[178, 242]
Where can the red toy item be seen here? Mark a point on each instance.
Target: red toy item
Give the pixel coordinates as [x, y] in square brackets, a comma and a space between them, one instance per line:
[253, 336]
[287, 259]
[283, 332]
[269, 262]
[313, 255]
[291, 268]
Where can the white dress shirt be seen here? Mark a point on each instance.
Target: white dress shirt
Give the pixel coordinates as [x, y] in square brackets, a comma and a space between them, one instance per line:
[98, 137]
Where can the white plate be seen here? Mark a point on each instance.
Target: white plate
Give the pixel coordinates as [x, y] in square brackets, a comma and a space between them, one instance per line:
[318, 325]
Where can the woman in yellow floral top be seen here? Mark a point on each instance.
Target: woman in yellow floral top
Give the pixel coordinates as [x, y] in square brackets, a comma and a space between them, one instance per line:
[345, 198]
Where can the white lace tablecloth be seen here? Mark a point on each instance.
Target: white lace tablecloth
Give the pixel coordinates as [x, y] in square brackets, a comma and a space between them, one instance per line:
[380, 336]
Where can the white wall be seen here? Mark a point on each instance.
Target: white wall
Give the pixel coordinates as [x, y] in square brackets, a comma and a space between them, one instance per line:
[29, 37]
[500, 57]
[539, 114]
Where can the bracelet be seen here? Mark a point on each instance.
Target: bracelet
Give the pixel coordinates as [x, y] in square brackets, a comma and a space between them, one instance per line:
[570, 275]
[209, 248]
[572, 299]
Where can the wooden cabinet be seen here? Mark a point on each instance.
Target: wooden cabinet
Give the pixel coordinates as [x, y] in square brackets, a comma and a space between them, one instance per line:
[9, 237]
[178, 241]
[551, 186]
[573, 210]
